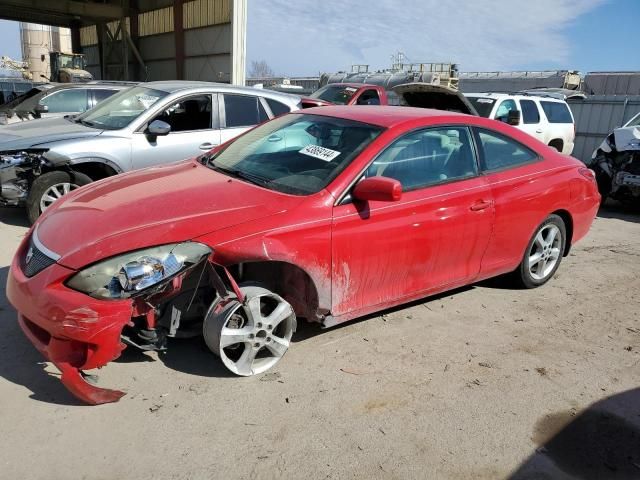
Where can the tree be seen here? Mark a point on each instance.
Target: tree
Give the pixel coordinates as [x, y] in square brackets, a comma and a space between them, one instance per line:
[260, 69]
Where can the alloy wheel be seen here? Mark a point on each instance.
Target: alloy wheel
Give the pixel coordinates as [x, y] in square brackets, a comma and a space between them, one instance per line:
[545, 252]
[251, 338]
[54, 193]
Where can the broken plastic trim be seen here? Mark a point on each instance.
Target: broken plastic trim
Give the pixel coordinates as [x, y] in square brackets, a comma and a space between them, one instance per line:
[63, 354]
[70, 355]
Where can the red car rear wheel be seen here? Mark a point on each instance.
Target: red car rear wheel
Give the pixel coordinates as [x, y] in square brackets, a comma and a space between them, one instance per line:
[543, 254]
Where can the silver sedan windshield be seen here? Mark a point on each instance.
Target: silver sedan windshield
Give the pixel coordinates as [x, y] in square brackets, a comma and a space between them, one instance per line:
[121, 109]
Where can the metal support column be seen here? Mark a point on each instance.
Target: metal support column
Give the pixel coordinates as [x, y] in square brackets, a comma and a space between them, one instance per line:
[102, 49]
[75, 38]
[124, 44]
[238, 41]
[178, 32]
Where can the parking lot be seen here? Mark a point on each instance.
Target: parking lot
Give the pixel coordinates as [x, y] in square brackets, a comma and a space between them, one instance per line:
[483, 382]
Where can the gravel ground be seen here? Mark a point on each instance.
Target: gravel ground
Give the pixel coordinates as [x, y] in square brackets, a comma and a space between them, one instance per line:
[483, 382]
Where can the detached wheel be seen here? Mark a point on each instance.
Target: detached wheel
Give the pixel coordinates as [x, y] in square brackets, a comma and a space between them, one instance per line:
[544, 253]
[50, 187]
[253, 338]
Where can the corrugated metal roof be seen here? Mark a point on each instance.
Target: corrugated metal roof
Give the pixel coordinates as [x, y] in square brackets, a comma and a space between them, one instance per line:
[515, 74]
[201, 13]
[88, 36]
[196, 13]
[612, 83]
[155, 22]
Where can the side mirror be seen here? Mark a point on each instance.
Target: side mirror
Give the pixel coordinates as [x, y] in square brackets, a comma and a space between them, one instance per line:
[158, 128]
[382, 189]
[513, 117]
[40, 109]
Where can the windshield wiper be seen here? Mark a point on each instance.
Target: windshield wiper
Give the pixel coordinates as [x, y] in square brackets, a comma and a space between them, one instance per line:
[233, 172]
[85, 123]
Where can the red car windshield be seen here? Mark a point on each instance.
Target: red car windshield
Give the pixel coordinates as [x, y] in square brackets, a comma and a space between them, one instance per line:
[297, 154]
[336, 94]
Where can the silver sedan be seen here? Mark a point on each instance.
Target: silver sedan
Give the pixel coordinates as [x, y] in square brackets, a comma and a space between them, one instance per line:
[150, 124]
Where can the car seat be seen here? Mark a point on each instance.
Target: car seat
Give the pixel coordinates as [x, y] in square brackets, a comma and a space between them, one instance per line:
[419, 163]
[194, 118]
[461, 162]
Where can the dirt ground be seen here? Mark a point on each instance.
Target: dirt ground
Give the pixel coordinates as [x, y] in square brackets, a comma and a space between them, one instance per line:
[483, 382]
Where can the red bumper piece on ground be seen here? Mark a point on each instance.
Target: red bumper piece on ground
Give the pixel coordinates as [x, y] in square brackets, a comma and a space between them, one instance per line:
[72, 379]
[64, 354]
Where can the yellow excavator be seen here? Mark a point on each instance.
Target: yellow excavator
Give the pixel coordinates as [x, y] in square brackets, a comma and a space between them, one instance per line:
[68, 68]
[65, 68]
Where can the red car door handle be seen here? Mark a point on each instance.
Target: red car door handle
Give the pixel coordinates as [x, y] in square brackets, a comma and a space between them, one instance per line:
[480, 205]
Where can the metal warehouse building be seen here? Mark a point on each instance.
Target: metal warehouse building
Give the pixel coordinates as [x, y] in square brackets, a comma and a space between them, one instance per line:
[148, 39]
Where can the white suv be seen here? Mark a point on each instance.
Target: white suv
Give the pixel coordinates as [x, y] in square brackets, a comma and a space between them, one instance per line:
[546, 118]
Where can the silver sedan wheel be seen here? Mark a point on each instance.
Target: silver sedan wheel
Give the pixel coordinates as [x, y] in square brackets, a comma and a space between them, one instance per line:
[251, 338]
[55, 192]
[545, 252]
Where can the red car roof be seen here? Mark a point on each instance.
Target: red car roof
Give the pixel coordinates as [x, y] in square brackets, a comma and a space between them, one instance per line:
[354, 85]
[383, 116]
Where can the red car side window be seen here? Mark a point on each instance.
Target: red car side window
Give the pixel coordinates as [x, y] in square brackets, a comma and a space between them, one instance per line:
[500, 152]
[427, 157]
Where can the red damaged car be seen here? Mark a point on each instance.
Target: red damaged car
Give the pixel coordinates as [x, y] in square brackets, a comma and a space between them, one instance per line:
[326, 214]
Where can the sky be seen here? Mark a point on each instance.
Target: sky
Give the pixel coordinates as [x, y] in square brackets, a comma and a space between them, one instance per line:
[305, 37]
[10, 39]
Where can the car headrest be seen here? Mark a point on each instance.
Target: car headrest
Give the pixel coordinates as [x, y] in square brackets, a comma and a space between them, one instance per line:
[435, 141]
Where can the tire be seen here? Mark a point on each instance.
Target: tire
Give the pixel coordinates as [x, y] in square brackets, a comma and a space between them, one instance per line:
[41, 195]
[546, 249]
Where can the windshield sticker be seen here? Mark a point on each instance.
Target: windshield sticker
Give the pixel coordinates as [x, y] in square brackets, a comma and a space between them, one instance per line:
[484, 100]
[317, 151]
[146, 100]
[351, 89]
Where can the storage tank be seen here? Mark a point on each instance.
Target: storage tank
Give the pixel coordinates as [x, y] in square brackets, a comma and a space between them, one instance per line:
[431, 73]
[37, 41]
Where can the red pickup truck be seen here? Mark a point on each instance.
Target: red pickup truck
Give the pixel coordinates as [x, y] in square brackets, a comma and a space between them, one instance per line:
[415, 94]
[347, 94]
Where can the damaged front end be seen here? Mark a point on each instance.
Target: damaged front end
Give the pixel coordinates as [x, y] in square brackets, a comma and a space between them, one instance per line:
[616, 164]
[84, 320]
[17, 172]
[169, 285]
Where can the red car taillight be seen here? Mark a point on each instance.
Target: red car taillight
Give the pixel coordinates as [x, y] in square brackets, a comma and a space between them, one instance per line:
[587, 173]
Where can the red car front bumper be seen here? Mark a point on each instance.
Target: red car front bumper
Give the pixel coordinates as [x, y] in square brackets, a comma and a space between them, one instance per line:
[72, 330]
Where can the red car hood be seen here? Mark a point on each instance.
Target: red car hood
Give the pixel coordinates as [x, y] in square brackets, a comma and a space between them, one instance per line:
[151, 207]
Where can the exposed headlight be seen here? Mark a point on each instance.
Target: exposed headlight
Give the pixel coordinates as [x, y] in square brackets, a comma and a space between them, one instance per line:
[131, 273]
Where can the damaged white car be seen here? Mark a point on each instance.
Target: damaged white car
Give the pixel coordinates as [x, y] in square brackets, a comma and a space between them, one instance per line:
[616, 163]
